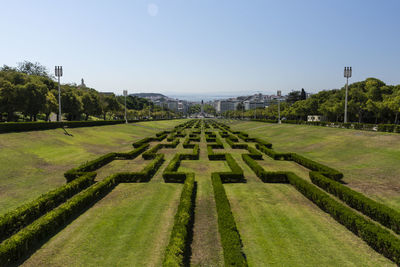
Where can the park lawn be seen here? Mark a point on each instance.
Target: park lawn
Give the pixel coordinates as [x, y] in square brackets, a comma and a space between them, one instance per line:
[32, 163]
[369, 160]
[206, 245]
[129, 227]
[278, 226]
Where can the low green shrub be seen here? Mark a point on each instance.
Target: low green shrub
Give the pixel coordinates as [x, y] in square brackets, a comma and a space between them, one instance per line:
[15, 220]
[230, 238]
[266, 177]
[214, 156]
[254, 153]
[132, 154]
[374, 235]
[275, 155]
[236, 173]
[90, 166]
[315, 166]
[376, 211]
[263, 143]
[183, 221]
[23, 242]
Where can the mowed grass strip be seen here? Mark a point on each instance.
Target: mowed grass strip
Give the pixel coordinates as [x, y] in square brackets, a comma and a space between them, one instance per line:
[369, 160]
[206, 245]
[129, 227]
[279, 227]
[33, 163]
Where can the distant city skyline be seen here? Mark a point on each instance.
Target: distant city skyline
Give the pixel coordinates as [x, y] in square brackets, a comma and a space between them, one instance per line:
[192, 48]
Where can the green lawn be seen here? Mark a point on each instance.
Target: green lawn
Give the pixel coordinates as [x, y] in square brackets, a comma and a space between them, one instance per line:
[129, 227]
[132, 224]
[280, 227]
[32, 163]
[369, 160]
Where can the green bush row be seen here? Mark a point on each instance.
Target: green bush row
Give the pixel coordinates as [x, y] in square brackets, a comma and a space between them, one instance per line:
[315, 166]
[236, 173]
[15, 220]
[230, 238]
[93, 165]
[263, 143]
[376, 211]
[171, 175]
[308, 163]
[254, 153]
[144, 175]
[273, 154]
[214, 156]
[266, 177]
[23, 242]
[183, 221]
[348, 125]
[132, 154]
[149, 139]
[187, 144]
[374, 235]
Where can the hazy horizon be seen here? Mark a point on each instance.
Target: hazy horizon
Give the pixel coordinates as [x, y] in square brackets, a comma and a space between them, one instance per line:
[208, 48]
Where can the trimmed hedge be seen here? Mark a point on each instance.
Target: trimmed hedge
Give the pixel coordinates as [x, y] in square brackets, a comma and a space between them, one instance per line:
[183, 221]
[266, 177]
[145, 175]
[132, 154]
[170, 173]
[376, 211]
[15, 220]
[308, 163]
[230, 238]
[254, 153]
[275, 155]
[264, 143]
[349, 125]
[23, 242]
[236, 173]
[93, 165]
[315, 166]
[374, 235]
[214, 156]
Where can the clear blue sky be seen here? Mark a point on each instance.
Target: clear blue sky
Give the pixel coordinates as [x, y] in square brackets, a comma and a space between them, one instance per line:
[211, 47]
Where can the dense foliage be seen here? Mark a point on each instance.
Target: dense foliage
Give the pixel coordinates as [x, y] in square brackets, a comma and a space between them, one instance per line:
[369, 101]
[29, 92]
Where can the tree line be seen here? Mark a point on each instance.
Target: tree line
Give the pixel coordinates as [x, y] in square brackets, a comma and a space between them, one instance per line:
[369, 101]
[29, 92]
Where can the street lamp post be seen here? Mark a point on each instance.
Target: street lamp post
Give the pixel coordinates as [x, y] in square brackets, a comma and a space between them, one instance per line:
[125, 94]
[279, 111]
[59, 73]
[347, 75]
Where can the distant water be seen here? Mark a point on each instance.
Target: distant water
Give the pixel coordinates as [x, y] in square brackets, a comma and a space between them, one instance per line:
[191, 97]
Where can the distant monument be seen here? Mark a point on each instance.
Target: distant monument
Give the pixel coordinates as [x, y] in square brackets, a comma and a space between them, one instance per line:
[82, 85]
[202, 107]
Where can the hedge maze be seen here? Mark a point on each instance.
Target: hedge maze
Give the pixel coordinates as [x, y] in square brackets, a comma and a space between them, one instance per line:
[26, 228]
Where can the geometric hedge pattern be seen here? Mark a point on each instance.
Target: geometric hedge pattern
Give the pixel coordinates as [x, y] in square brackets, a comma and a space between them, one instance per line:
[24, 229]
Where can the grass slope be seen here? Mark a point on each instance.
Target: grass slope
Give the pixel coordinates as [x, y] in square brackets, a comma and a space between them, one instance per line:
[32, 163]
[129, 227]
[280, 227]
[369, 160]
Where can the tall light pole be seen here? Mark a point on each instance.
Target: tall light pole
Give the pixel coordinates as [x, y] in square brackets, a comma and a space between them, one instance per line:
[125, 94]
[279, 94]
[279, 111]
[59, 73]
[347, 75]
